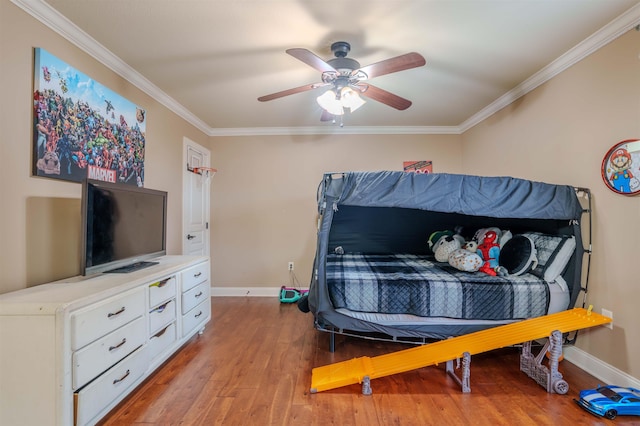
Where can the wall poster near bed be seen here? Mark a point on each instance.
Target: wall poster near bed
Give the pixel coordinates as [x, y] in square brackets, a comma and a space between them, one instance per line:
[82, 129]
[418, 166]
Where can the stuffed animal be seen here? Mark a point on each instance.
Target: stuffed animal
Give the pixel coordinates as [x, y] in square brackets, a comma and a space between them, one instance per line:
[465, 258]
[435, 237]
[506, 236]
[482, 232]
[445, 246]
[489, 251]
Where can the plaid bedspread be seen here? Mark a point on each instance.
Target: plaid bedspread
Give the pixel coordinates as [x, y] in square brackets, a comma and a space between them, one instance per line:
[410, 284]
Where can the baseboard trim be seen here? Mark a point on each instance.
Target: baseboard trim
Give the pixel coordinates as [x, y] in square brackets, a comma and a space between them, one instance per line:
[245, 291]
[592, 365]
[599, 369]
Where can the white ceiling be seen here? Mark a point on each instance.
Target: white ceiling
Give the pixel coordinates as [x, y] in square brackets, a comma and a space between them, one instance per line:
[209, 60]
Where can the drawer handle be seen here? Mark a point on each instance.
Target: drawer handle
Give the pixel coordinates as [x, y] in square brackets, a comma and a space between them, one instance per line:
[122, 378]
[198, 295]
[197, 275]
[161, 308]
[113, 314]
[161, 332]
[161, 284]
[198, 314]
[124, 340]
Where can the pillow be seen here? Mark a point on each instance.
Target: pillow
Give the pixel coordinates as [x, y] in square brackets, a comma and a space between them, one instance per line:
[554, 253]
[562, 283]
[518, 255]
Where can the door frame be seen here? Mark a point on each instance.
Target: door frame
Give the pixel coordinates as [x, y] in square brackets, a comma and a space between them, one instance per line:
[186, 143]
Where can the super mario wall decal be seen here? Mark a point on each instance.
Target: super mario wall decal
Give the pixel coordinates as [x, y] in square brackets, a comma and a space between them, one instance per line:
[621, 167]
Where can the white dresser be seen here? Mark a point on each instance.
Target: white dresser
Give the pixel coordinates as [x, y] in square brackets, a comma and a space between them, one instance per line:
[70, 351]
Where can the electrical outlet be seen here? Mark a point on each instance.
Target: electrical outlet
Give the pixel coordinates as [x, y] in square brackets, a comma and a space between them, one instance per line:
[608, 313]
[291, 266]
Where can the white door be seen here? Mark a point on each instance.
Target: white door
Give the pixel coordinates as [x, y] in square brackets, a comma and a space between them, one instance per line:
[195, 201]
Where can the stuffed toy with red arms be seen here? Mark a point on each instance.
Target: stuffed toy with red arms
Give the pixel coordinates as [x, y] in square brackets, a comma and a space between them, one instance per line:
[489, 251]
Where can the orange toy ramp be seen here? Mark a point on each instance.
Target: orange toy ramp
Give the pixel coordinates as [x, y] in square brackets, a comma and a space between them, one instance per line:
[355, 370]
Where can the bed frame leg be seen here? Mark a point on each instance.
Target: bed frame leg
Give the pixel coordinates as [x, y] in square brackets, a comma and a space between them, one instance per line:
[332, 341]
[464, 382]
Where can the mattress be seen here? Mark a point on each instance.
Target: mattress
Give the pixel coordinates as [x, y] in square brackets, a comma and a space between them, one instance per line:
[418, 287]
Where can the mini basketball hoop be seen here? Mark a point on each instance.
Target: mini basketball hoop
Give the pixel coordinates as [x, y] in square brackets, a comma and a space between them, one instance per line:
[206, 172]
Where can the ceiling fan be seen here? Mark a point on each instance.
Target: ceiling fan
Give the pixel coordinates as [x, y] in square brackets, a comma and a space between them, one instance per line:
[347, 80]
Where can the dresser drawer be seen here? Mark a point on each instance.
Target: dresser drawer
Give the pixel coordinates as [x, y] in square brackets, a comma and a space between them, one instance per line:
[196, 317]
[97, 357]
[194, 276]
[162, 315]
[161, 340]
[194, 296]
[92, 323]
[95, 397]
[161, 291]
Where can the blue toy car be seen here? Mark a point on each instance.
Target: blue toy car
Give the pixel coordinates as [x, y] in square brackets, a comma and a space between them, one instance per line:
[610, 401]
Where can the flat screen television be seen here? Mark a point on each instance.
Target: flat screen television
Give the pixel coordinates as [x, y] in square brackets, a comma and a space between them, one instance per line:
[123, 227]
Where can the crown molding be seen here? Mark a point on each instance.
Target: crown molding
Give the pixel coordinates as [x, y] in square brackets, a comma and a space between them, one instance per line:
[337, 130]
[50, 17]
[608, 33]
[53, 19]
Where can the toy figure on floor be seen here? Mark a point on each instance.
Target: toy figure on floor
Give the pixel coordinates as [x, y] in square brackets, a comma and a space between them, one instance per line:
[489, 251]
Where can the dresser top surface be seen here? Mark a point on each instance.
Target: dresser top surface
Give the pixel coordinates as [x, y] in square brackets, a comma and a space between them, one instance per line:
[47, 299]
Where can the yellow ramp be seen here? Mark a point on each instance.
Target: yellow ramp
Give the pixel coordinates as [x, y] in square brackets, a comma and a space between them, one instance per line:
[354, 371]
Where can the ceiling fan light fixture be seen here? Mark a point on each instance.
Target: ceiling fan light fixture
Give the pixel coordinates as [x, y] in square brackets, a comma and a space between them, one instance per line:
[351, 99]
[330, 103]
[346, 79]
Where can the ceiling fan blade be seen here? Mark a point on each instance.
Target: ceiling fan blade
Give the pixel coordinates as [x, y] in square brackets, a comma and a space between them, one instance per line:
[310, 59]
[399, 63]
[387, 98]
[288, 92]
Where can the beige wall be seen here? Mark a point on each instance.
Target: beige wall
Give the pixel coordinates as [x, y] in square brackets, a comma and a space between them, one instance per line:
[39, 222]
[560, 133]
[263, 199]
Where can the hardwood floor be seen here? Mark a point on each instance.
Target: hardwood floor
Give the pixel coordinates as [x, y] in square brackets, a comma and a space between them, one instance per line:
[252, 366]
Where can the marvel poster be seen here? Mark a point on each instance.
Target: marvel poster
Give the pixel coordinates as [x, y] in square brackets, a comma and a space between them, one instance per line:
[83, 129]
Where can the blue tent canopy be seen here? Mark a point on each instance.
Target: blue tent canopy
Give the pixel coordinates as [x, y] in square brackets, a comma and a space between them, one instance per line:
[395, 212]
[500, 197]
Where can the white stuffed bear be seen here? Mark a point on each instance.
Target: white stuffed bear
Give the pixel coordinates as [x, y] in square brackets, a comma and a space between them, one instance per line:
[465, 258]
[444, 247]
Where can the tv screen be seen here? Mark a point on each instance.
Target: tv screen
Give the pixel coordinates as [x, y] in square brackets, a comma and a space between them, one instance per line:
[123, 226]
